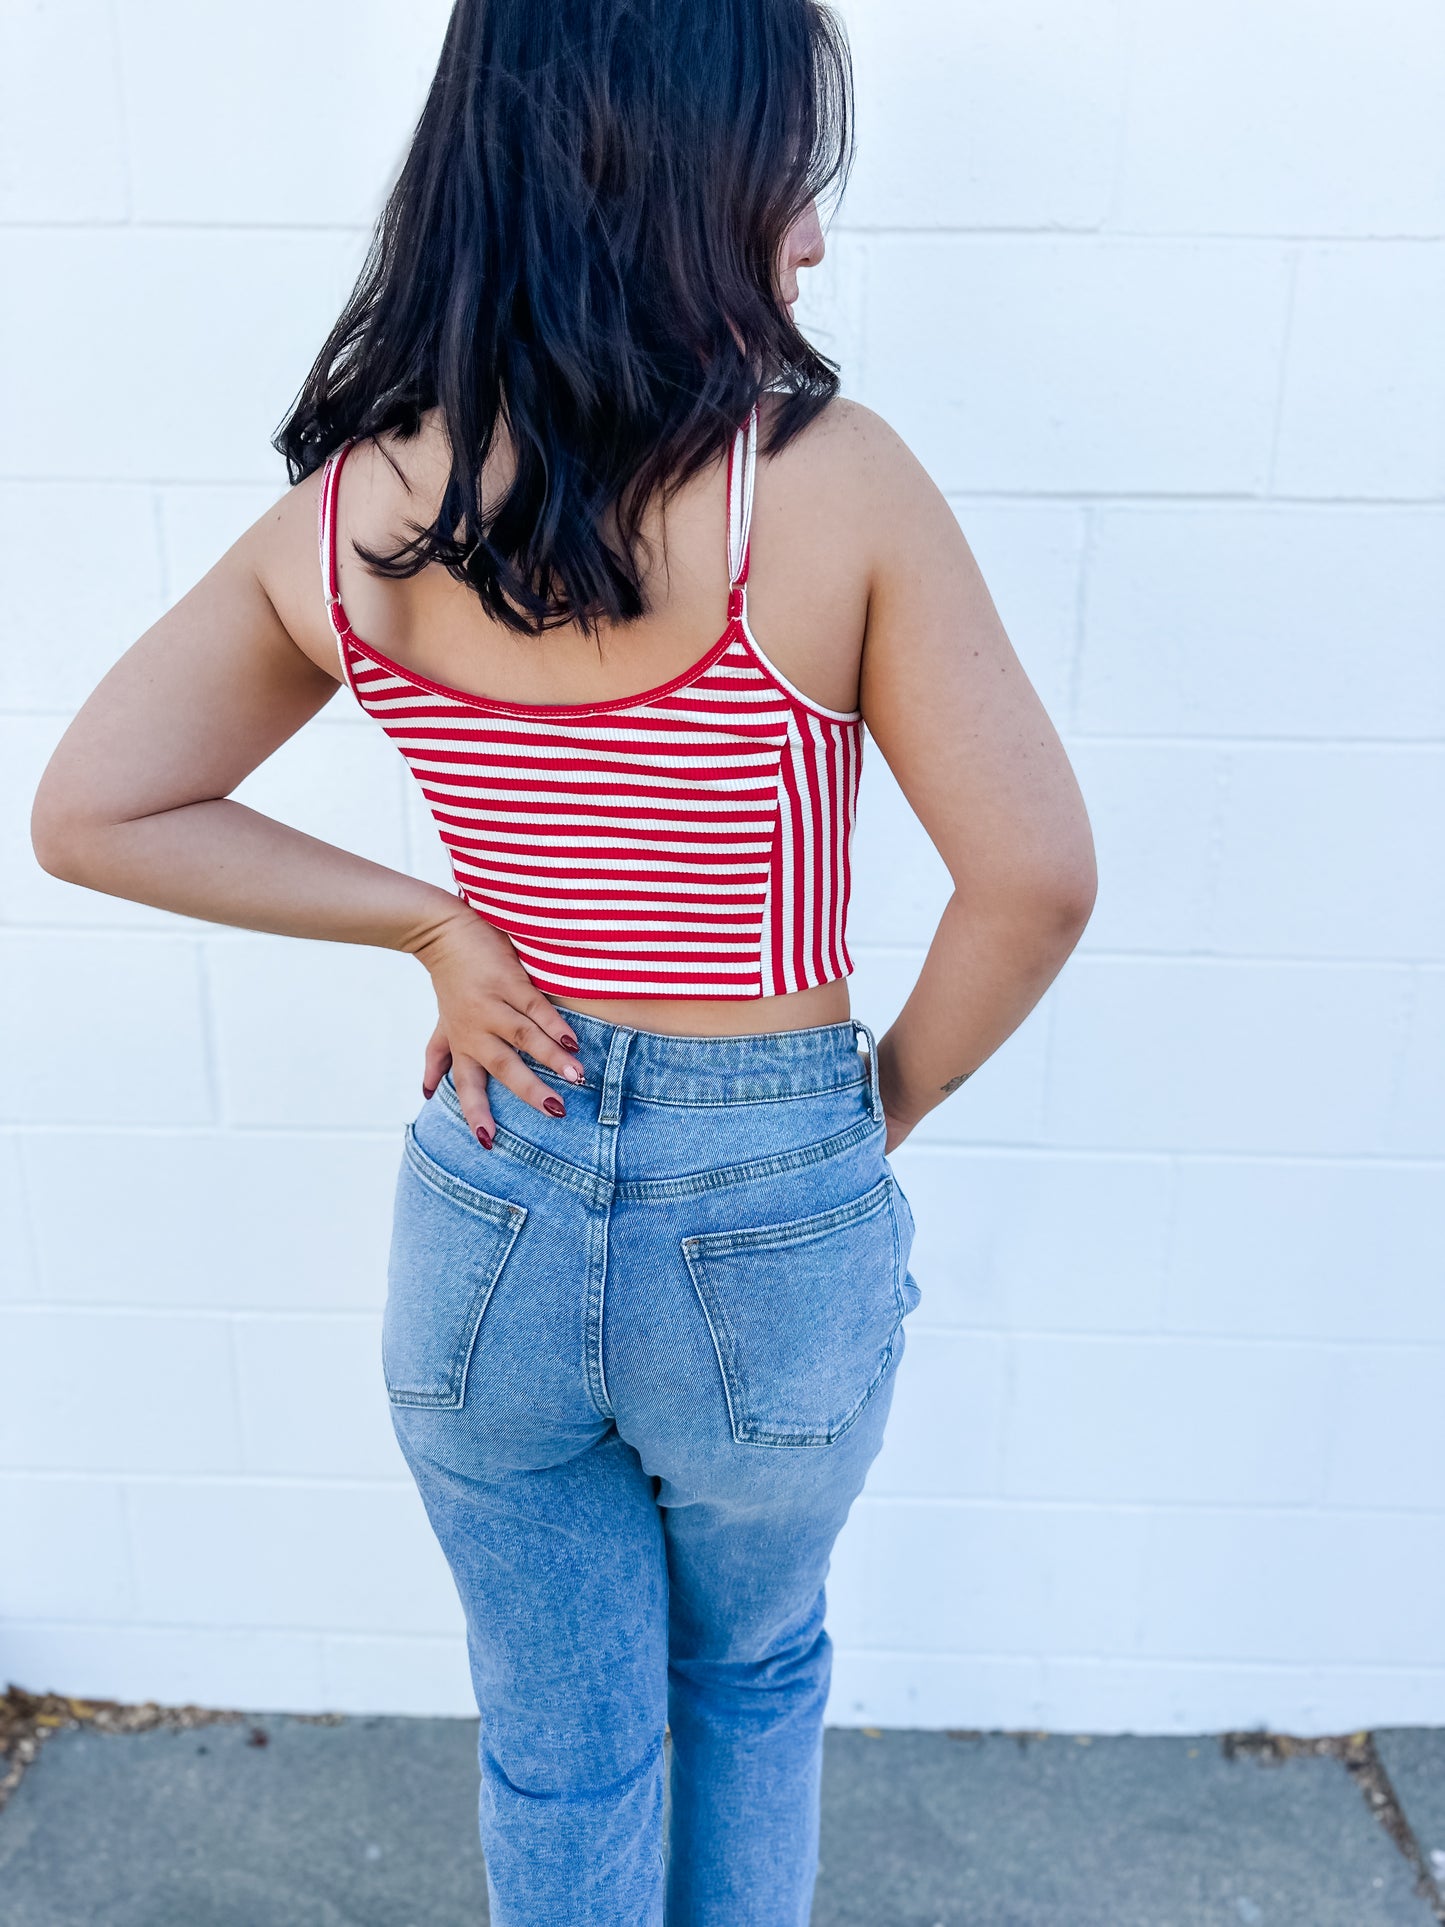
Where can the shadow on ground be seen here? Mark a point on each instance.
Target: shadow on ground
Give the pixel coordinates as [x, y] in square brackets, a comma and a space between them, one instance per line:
[277, 1821]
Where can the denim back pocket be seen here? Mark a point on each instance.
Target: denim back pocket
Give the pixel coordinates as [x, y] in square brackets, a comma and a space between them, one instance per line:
[449, 1243]
[804, 1316]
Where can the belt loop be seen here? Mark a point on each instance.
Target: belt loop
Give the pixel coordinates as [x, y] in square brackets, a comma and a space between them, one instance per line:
[610, 1109]
[875, 1099]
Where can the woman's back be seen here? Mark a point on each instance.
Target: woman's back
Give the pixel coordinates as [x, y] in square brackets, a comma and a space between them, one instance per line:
[664, 811]
[807, 580]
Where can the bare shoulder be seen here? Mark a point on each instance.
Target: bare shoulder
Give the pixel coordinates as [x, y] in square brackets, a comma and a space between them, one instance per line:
[857, 467]
[281, 551]
[387, 483]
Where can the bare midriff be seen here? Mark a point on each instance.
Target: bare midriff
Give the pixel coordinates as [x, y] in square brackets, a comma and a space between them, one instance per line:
[720, 1016]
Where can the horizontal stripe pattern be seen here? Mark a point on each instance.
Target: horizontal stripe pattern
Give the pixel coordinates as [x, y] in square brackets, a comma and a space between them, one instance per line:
[692, 841]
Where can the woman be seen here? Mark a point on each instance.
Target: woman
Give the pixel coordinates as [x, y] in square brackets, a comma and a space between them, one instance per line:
[608, 559]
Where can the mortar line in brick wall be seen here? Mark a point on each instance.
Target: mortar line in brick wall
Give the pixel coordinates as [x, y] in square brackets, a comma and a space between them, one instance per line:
[226, 1629]
[300, 1133]
[1178, 1337]
[210, 1056]
[1282, 376]
[230, 1314]
[1402, 1022]
[124, 116]
[1088, 545]
[1211, 1662]
[871, 1501]
[862, 295]
[1204, 1154]
[1155, 1511]
[164, 572]
[1430, 745]
[88, 478]
[140, 224]
[342, 1634]
[1132, 1154]
[1166, 498]
[1350, 960]
[1123, 121]
[322, 1483]
[186, 931]
[1082, 234]
[112, 1126]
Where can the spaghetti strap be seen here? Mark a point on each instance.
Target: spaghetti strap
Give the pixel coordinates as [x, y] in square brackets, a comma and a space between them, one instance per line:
[326, 541]
[742, 472]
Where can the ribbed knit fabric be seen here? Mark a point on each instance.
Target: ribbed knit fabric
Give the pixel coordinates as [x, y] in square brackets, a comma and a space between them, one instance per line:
[689, 841]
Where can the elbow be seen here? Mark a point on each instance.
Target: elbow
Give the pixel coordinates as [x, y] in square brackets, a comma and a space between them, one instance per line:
[57, 847]
[1056, 909]
[1064, 881]
[1073, 894]
[62, 839]
[1045, 901]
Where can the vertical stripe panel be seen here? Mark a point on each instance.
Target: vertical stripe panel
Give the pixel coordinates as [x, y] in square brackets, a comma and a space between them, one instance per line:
[836, 754]
[789, 880]
[801, 821]
[770, 949]
[850, 791]
[825, 742]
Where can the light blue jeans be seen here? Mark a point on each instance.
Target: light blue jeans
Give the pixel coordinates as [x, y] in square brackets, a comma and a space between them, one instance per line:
[639, 1361]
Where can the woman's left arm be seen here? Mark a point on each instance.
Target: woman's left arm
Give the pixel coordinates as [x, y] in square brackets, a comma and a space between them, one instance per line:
[979, 761]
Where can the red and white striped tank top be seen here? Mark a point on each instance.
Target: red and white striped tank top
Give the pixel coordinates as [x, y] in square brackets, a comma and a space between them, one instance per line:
[690, 841]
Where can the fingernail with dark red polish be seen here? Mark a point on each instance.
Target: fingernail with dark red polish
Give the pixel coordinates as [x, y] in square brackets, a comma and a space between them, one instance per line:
[484, 1138]
[569, 1042]
[555, 1106]
[428, 1094]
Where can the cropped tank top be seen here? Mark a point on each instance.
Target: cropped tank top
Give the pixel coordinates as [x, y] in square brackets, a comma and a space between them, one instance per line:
[689, 841]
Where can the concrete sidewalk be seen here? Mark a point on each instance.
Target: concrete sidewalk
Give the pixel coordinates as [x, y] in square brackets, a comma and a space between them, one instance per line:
[275, 1821]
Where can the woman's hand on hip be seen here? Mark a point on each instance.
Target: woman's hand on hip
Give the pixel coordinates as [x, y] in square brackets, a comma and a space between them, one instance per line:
[488, 1012]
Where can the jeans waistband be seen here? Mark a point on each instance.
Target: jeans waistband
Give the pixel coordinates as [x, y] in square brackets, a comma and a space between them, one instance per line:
[660, 1068]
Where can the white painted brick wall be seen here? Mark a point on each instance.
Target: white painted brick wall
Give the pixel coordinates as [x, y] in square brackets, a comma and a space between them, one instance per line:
[1158, 295]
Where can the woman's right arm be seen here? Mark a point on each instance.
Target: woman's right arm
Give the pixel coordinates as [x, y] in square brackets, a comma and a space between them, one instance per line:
[136, 802]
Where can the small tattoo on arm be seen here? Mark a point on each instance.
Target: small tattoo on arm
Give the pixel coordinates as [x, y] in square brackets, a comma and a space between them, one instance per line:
[953, 1083]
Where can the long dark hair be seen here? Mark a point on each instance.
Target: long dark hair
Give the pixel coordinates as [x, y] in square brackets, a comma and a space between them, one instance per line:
[581, 249]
